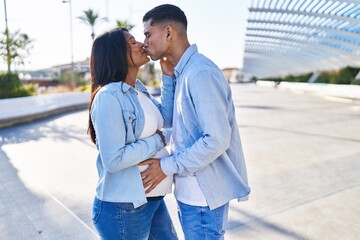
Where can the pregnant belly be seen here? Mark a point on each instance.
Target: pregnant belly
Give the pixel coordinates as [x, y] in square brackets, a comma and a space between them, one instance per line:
[165, 186]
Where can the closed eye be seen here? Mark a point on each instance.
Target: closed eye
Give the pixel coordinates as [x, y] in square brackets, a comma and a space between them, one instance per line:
[132, 40]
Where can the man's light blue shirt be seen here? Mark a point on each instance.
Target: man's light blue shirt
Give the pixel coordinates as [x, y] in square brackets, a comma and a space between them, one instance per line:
[206, 140]
[119, 120]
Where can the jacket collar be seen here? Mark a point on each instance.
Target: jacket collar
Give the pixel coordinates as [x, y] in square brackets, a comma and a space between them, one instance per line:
[124, 87]
[185, 59]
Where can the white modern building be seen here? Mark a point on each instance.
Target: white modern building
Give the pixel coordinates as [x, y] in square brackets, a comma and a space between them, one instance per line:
[301, 36]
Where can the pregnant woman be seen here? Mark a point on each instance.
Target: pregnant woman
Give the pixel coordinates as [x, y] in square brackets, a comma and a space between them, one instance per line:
[124, 123]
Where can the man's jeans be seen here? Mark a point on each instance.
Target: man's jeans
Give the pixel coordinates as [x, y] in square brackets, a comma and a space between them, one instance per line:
[200, 223]
[118, 221]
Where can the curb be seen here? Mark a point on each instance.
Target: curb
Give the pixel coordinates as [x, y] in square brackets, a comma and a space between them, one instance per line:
[25, 109]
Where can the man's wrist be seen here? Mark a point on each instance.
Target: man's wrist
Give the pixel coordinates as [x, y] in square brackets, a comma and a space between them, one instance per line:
[166, 164]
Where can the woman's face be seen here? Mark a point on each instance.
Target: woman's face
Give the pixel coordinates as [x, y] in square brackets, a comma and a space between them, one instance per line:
[136, 55]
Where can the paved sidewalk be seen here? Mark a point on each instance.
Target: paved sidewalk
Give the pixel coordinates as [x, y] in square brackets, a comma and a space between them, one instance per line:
[28, 216]
[302, 154]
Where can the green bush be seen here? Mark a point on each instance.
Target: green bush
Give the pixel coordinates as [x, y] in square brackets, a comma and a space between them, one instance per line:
[11, 87]
[355, 82]
[345, 75]
[327, 77]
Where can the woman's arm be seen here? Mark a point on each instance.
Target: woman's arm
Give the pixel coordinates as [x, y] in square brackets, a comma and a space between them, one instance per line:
[109, 123]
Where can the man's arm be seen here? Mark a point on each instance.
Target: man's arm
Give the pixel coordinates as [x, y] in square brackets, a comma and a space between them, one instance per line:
[153, 175]
[209, 96]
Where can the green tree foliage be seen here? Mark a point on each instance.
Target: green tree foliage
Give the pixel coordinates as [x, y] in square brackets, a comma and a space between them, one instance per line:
[297, 78]
[327, 77]
[14, 48]
[91, 18]
[10, 87]
[124, 24]
[345, 75]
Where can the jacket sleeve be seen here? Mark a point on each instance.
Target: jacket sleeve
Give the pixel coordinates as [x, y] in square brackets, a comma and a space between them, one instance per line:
[209, 103]
[166, 105]
[109, 124]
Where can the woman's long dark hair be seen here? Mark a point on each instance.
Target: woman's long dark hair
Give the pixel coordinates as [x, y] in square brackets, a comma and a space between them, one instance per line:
[108, 63]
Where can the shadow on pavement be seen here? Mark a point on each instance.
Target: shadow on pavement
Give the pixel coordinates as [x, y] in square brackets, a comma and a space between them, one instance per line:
[262, 224]
[27, 209]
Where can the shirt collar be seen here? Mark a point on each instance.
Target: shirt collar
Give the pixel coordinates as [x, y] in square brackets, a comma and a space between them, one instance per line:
[124, 87]
[139, 86]
[184, 59]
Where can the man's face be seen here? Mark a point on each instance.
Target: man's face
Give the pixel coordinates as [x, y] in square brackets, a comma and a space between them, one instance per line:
[155, 42]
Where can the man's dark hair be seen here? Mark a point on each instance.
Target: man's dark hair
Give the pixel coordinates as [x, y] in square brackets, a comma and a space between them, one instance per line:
[164, 13]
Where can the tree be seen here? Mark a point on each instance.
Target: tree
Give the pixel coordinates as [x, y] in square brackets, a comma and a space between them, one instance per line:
[14, 48]
[91, 18]
[124, 24]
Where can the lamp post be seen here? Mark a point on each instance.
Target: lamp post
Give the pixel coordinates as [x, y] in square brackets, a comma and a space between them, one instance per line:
[7, 39]
[71, 43]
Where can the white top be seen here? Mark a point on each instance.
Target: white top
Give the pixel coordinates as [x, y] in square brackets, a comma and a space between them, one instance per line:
[187, 189]
[154, 121]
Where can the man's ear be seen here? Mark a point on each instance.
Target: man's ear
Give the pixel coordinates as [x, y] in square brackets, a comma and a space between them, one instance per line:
[169, 30]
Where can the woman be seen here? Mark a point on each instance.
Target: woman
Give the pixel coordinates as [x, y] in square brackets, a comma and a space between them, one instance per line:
[117, 123]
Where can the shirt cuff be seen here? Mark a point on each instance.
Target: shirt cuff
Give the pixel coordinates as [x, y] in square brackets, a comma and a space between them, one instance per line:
[168, 165]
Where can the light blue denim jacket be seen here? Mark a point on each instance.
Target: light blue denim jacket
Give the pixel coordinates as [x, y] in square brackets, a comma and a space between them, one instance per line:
[208, 143]
[118, 120]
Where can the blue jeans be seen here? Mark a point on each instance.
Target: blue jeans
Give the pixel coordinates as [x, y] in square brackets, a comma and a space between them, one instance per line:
[199, 223]
[121, 221]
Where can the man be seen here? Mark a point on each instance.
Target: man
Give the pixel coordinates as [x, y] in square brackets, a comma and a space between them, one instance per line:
[207, 159]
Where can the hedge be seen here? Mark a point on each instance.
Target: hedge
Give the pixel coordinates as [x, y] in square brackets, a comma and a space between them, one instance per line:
[345, 75]
[11, 87]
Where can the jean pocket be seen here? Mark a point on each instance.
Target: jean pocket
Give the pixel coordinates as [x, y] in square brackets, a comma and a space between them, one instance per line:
[97, 209]
[129, 208]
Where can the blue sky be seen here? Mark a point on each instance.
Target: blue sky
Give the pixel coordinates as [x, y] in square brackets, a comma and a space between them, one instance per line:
[217, 27]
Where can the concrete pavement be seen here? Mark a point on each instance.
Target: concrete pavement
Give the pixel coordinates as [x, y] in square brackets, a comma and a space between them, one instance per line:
[302, 154]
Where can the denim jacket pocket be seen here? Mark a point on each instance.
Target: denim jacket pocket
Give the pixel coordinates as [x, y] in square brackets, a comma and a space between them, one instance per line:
[130, 125]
